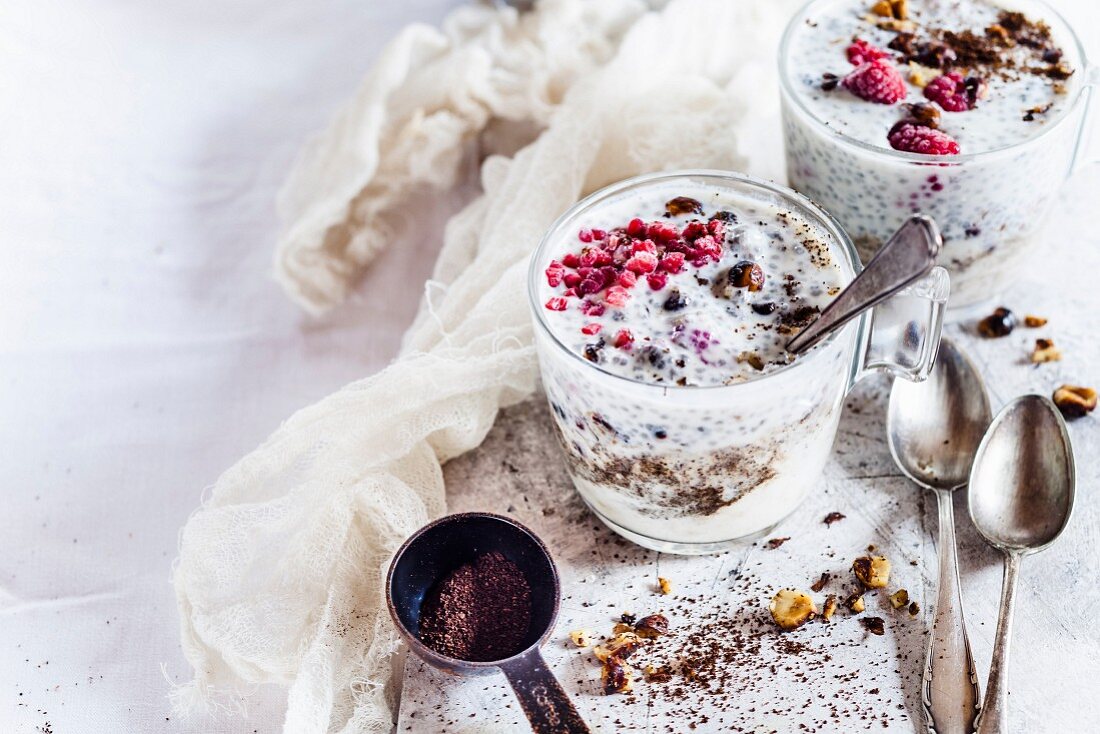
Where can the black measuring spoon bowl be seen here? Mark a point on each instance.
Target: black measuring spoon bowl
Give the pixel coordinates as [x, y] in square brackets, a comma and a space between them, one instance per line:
[440, 547]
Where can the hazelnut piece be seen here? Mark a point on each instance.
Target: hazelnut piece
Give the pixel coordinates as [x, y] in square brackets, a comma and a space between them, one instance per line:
[855, 603]
[874, 625]
[791, 609]
[829, 609]
[820, 583]
[1045, 351]
[872, 571]
[1074, 401]
[683, 205]
[1034, 322]
[899, 598]
[622, 646]
[914, 609]
[747, 274]
[664, 585]
[582, 638]
[652, 626]
[999, 323]
[616, 676]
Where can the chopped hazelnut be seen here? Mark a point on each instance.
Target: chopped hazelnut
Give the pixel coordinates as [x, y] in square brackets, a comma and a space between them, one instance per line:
[855, 603]
[833, 517]
[900, 9]
[652, 626]
[874, 625]
[830, 607]
[1045, 351]
[616, 676]
[925, 114]
[664, 585]
[683, 205]
[999, 323]
[882, 9]
[582, 638]
[914, 609]
[747, 274]
[872, 571]
[1074, 401]
[1034, 322]
[791, 609]
[621, 627]
[820, 583]
[899, 598]
[655, 674]
[622, 646]
[628, 618]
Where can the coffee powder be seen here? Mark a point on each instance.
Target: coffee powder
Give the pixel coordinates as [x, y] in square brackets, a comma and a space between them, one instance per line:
[480, 612]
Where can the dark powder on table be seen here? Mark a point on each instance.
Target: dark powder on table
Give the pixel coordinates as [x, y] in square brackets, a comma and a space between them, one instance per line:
[480, 612]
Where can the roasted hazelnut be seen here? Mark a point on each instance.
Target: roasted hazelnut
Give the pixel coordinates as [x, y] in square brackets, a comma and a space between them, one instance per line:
[622, 646]
[582, 638]
[628, 618]
[1074, 401]
[925, 115]
[818, 585]
[855, 603]
[652, 626]
[874, 625]
[872, 571]
[655, 674]
[752, 358]
[1034, 322]
[899, 598]
[747, 274]
[1000, 34]
[621, 627]
[914, 609]
[883, 9]
[1045, 351]
[829, 609]
[664, 585]
[976, 89]
[791, 609]
[616, 676]
[999, 323]
[683, 205]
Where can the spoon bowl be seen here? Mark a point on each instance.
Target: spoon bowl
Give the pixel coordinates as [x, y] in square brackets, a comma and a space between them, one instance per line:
[1021, 491]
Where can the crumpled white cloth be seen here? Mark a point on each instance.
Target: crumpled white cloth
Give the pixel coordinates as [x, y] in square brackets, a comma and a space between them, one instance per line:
[279, 578]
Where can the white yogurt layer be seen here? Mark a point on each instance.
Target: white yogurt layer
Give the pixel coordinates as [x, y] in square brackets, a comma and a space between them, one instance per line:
[696, 326]
[1020, 86]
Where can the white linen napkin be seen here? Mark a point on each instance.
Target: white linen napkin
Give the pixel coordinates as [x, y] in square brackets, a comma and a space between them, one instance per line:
[279, 578]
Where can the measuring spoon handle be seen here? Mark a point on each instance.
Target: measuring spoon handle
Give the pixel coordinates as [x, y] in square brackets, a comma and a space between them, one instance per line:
[541, 697]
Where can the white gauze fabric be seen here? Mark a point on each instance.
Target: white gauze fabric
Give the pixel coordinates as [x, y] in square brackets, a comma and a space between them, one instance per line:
[280, 574]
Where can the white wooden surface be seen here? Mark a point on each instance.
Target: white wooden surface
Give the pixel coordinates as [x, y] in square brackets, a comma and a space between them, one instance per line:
[868, 682]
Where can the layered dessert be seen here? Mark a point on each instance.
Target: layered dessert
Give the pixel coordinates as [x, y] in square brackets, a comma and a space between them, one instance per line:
[667, 307]
[965, 111]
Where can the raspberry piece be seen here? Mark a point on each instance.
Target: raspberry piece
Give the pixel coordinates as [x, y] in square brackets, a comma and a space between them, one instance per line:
[569, 292]
[876, 81]
[628, 278]
[591, 308]
[554, 273]
[860, 52]
[571, 280]
[694, 230]
[570, 260]
[717, 229]
[599, 234]
[671, 262]
[635, 228]
[661, 231]
[644, 246]
[656, 281]
[589, 257]
[623, 339]
[591, 329]
[556, 304]
[585, 235]
[616, 296]
[953, 93]
[642, 262]
[918, 139]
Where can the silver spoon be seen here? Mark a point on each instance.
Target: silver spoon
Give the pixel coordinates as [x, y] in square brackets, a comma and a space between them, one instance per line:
[934, 429]
[1021, 497]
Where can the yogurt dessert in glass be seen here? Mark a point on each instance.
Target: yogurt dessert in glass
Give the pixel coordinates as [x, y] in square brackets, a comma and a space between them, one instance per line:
[662, 307]
[969, 112]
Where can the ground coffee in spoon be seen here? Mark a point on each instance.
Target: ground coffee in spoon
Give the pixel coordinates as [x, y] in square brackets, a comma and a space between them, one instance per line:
[479, 612]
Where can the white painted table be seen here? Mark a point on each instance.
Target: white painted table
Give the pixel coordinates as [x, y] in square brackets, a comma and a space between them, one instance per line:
[143, 348]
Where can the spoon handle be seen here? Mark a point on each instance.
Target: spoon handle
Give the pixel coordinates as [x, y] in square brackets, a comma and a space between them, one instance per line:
[950, 680]
[994, 718]
[543, 700]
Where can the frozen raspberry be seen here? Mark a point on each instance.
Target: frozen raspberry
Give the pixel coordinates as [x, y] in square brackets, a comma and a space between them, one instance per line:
[623, 339]
[635, 228]
[671, 262]
[572, 280]
[876, 81]
[656, 281]
[644, 246]
[570, 260]
[642, 262]
[591, 329]
[599, 234]
[556, 304]
[616, 296]
[592, 308]
[717, 229]
[953, 93]
[860, 52]
[661, 231]
[628, 278]
[570, 293]
[585, 235]
[918, 139]
[554, 273]
[694, 230]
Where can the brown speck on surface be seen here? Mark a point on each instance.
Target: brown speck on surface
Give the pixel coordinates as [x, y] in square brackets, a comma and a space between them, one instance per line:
[833, 517]
[775, 543]
[874, 625]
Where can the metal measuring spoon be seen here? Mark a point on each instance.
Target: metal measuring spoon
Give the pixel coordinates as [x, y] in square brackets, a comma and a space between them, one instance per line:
[906, 258]
[934, 429]
[442, 546]
[1021, 498]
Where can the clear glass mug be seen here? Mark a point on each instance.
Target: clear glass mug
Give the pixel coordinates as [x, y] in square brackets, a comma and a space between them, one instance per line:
[728, 462]
[990, 206]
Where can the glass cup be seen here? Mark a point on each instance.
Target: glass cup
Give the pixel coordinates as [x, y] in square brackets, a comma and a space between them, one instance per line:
[697, 469]
[990, 206]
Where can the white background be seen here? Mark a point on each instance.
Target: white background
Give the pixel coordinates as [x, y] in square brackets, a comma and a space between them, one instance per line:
[143, 345]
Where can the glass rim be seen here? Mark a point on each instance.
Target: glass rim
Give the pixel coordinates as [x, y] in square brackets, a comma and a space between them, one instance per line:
[823, 218]
[789, 94]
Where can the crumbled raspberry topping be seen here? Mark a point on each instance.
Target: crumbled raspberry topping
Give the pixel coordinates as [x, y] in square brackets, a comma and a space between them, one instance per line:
[876, 81]
[860, 52]
[913, 138]
[955, 94]
[612, 263]
[623, 339]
